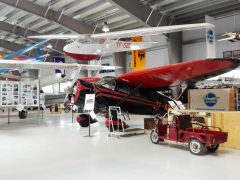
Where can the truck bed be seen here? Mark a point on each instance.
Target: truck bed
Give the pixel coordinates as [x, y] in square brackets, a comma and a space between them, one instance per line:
[206, 131]
[212, 137]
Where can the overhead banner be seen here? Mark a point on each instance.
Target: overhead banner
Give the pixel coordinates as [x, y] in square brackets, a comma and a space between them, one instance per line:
[210, 99]
[138, 56]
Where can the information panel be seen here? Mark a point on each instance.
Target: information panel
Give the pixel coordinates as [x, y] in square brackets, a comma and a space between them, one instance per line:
[30, 93]
[9, 92]
[89, 102]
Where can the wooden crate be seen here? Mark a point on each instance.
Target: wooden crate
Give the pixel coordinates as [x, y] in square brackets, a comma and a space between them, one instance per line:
[149, 123]
[229, 122]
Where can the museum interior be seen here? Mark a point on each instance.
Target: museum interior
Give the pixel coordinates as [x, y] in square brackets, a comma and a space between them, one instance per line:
[113, 89]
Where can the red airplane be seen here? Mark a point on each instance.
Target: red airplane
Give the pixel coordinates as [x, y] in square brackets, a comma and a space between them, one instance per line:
[138, 92]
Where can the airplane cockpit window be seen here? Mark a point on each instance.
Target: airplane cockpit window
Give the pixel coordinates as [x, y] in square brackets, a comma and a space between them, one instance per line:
[108, 82]
[83, 41]
[87, 40]
[123, 88]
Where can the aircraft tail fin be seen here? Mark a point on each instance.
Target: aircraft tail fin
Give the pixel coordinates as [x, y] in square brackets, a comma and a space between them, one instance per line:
[39, 56]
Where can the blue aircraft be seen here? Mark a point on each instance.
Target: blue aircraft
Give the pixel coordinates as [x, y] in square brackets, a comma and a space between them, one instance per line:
[39, 56]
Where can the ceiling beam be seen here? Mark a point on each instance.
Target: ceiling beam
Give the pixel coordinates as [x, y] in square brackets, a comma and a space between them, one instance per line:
[108, 18]
[50, 14]
[23, 32]
[10, 45]
[128, 26]
[140, 12]
[178, 5]
[218, 10]
[121, 23]
[101, 14]
[203, 7]
[16, 29]
[15, 47]
[88, 8]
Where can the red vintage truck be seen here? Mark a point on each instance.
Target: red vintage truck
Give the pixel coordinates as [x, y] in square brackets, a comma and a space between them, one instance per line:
[200, 139]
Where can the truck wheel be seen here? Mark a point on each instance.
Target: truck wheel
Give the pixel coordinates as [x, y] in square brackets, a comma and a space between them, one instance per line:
[196, 147]
[154, 137]
[22, 114]
[213, 147]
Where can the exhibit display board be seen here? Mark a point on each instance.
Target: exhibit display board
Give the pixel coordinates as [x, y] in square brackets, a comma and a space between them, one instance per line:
[15, 93]
[29, 94]
[89, 102]
[210, 99]
[9, 91]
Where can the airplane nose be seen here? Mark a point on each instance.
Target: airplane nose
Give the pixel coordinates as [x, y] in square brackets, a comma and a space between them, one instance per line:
[75, 51]
[66, 48]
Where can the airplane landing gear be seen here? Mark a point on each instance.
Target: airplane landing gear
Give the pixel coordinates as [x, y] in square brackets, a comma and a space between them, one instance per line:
[22, 114]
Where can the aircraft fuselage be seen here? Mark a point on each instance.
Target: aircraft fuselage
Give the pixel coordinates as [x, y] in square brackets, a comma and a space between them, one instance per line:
[134, 100]
[93, 50]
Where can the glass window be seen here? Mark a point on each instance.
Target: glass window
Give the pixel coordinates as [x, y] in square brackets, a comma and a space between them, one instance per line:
[48, 89]
[108, 82]
[64, 86]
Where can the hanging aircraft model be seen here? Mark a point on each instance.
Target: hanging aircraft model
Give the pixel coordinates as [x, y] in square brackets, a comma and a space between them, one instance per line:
[93, 46]
[39, 56]
[29, 64]
[231, 36]
[138, 91]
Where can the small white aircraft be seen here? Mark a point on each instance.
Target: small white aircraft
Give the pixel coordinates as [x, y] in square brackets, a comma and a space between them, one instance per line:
[28, 64]
[92, 46]
[231, 36]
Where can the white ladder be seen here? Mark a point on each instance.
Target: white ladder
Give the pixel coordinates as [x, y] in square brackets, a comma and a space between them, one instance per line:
[119, 116]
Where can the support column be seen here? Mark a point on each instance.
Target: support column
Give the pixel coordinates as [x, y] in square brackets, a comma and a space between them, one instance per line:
[175, 47]
[119, 59]
[30, 75]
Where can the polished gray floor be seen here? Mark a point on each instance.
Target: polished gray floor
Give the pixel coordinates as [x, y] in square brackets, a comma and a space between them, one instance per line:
[58, 149]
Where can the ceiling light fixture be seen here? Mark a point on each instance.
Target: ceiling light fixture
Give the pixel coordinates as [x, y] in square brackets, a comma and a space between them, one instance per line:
[105, 27]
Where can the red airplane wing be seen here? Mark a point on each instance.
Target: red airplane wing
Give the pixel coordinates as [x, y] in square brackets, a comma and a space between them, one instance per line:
[175, 74]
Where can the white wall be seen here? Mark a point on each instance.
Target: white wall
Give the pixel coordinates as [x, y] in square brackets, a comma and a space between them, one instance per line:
[158, 55]
[198, 50]
[194, 51]
[155, 56]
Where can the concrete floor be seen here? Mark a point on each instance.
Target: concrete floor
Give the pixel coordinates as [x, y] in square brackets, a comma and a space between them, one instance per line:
[58, 149]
